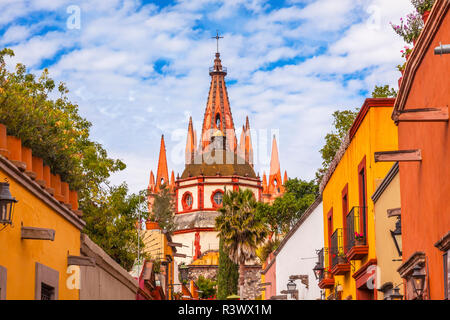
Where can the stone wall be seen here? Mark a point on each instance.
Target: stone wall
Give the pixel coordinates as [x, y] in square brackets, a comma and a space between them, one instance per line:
[251, 282]
[209, 272]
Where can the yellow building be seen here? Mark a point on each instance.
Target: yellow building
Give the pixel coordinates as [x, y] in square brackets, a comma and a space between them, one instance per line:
[387, 211]
[349, 225]
[42, 240]
[161, 249]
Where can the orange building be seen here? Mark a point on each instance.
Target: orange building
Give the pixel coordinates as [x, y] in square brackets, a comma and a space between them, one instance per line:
[421, 112]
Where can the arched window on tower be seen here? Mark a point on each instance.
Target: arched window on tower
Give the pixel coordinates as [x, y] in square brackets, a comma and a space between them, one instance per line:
[218, 120]
[275, 182]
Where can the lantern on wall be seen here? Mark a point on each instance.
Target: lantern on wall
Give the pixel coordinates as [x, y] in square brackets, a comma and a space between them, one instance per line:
[396, 295]
[318, 270]
[418, 279]
[397, 236]
[291, 286]
[7, 202]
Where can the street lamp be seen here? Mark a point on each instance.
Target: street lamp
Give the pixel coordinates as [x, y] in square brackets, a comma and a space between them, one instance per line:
[291, 286]
[396, 295]
[318, 270]
[418, 278]
[397, 236]
[7, 202]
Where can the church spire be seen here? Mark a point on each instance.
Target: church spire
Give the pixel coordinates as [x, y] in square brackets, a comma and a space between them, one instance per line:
[172, 181]
[218, 115]
[264, 183]
[151, 183]
[162, 176]
[275, 182]
[248, 143]
[190, 143]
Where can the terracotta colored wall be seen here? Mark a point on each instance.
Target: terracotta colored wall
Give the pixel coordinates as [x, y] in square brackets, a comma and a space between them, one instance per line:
[20, 256]
[385, 247]
[376, 133]
[270, 276]
[425, 186]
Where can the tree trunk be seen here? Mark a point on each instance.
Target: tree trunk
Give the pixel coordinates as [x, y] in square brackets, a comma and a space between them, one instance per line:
[241, 279]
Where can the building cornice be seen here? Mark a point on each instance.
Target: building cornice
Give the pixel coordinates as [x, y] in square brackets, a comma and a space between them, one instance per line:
[444, 243]
[417, 258]
[196, 178]
[34, 188]
[419, 52]
[386, 181]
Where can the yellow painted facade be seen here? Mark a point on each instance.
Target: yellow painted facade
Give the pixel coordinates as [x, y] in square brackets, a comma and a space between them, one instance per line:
[263, 292]
[388, 259]
[157, 246]
[376, 132]
[19, 256]
[208, 259]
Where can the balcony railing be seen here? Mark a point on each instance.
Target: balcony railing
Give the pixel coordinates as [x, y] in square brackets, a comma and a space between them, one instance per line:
[214, 69]
[336, 246]
[355, 224]
[321, 262]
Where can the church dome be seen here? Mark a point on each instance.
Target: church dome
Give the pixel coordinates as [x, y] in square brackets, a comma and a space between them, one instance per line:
[218, 162]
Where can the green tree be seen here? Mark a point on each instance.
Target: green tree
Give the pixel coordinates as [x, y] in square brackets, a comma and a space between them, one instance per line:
[163, 210]
[56, 132]
[227, 275]
[287, 209]
[342, 121]
[240, 228]
[207, 287]
[53, 129]
[384, 92]
[110, 222]
[265, 250]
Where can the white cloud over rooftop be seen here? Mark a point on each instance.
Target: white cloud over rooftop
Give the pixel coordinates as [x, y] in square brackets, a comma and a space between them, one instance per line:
[290, 66]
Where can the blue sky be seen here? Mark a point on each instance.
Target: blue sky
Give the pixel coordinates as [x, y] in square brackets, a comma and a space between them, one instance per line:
[139, 69]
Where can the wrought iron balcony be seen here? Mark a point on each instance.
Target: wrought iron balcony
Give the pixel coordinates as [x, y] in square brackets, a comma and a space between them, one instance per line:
[321, 262]
[326, 279]
[355, 233]
[336, 246]
[339, 263]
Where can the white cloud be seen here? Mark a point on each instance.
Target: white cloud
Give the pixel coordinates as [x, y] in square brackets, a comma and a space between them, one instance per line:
[109, 65]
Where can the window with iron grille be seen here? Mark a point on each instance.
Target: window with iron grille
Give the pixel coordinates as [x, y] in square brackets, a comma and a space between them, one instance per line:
[47, 292]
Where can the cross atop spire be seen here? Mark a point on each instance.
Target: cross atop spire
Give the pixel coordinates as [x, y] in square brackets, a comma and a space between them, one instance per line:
[217, 37]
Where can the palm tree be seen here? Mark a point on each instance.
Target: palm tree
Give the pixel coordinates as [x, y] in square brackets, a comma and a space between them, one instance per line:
[240, 229]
